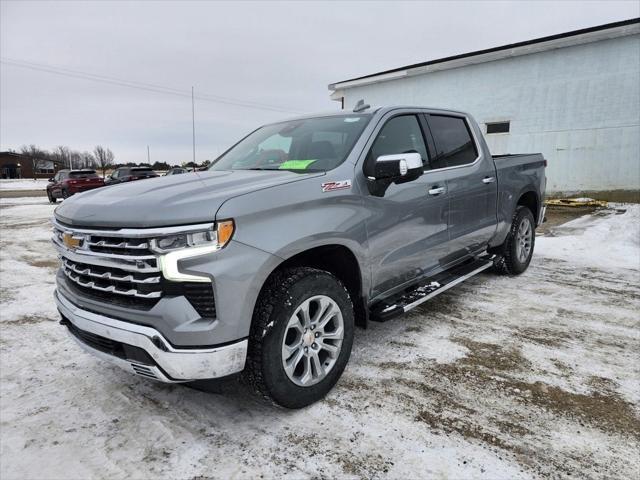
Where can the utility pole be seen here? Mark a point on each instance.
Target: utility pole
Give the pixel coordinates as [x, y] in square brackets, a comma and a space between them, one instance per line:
[148, 156]
[193, 129]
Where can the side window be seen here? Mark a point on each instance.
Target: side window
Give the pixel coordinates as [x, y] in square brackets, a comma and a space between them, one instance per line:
[399, 135]
[454, 144]
[115, 174]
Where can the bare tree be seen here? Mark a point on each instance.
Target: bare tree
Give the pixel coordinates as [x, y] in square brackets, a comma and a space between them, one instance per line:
[63, 154]
[39, 157]
[88, 160]
[104, 157]
[75, 159]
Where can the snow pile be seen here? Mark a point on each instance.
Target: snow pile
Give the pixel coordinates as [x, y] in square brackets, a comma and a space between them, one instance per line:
[23, 184]
[593, 241]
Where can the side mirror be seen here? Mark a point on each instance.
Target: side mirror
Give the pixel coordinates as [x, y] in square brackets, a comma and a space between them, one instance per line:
[401, 168]
[388, 169]
[52, 179]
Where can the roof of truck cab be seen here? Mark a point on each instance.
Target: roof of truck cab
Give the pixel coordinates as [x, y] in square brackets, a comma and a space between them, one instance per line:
[369, 111]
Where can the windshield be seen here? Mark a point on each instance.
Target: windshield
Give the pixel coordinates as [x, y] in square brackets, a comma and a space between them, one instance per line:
[310, 145]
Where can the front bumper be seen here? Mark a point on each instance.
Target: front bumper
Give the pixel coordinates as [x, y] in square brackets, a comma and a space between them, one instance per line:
[163, 361]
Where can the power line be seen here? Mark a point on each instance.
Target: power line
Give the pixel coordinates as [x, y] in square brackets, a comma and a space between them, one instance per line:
[150, 87]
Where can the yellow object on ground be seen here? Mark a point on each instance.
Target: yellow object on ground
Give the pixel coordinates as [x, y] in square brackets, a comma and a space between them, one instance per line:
[576, 202]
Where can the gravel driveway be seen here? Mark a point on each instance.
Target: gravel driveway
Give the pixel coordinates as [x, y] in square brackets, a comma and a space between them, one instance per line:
[526, 377]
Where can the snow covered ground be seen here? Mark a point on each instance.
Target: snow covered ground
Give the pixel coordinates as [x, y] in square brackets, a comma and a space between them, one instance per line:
[24, 184]
[524, 377]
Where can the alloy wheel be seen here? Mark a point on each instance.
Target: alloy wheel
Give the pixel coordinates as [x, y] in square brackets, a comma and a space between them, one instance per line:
[312, 340]
[524, 239]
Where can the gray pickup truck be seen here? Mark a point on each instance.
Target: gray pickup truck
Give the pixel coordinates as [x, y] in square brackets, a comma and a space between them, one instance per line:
[299, 232]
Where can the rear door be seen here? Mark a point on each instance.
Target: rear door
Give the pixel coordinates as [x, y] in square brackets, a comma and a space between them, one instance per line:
[471, 180]
[407, 228]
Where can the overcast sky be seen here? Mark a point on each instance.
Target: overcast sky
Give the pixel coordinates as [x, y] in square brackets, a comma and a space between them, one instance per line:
[278, 56]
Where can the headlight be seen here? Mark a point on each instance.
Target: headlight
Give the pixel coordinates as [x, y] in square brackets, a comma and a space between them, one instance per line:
[186, 245]
[218, 235]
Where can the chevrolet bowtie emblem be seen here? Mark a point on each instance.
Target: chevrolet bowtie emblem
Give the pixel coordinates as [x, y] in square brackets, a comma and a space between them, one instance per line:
[70, 241]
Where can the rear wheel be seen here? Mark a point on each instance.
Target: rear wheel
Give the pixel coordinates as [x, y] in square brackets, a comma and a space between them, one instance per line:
[51, 198]
[301, 337]
[516, 251]
[65, 193]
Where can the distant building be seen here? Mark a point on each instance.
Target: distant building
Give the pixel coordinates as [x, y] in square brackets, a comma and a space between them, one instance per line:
[575, 97]
[18, 165]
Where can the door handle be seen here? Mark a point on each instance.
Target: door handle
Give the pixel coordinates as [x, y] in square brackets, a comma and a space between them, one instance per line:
[436, 190]
[488, 179]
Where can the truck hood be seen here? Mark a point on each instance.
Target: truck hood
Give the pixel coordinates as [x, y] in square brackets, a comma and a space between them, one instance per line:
[172, 200]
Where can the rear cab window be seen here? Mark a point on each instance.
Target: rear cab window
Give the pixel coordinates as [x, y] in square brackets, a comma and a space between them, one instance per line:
[454, 143]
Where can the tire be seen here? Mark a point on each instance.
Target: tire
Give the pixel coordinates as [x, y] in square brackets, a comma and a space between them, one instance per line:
[51, 198]
[511, 259]
[278, 327]
[65, 193]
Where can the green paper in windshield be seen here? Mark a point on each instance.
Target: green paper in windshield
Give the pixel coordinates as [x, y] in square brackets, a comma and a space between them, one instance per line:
[295, 164]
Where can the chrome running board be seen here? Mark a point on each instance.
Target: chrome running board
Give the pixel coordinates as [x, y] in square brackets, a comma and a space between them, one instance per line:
[417, 295]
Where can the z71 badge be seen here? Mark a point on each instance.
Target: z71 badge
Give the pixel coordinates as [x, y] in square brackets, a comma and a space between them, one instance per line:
[331, 186]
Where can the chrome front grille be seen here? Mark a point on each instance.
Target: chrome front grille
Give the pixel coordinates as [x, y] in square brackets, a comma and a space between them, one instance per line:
[110, 247]
[119, 267]
[103, 273]
[118, 246]
[119, 282]
[101, 263]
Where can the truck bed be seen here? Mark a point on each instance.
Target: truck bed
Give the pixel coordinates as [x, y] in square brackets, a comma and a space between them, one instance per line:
[517, 174]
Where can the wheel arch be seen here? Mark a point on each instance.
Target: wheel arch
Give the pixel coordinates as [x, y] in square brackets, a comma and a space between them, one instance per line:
[339, 260]
[529, 198]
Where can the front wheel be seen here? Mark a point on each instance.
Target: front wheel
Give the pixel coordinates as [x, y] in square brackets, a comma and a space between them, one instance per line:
[51, 198]
[516, 251]
[301, 337]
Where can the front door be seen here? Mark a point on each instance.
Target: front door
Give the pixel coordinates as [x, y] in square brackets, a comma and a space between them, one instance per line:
[407, 228]
[472, 185]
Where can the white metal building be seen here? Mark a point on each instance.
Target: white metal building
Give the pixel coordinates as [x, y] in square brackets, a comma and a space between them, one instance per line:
[575, 97]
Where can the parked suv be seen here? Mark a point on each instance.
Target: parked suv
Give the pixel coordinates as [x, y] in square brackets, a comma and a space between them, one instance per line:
[300, 231]
[67, 182]
[129, 174]
[176, 171]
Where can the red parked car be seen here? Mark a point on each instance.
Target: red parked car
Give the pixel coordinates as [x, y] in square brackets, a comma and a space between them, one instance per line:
[68, 182]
